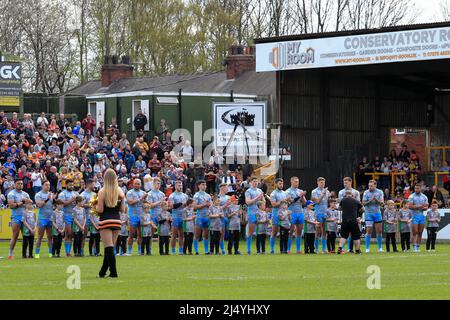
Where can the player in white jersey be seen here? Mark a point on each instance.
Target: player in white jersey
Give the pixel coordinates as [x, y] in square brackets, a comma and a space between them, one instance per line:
[296, 199]
[276, 198]
[320, 197]
[372, 201]
[177, 201]
[252, 196]
[418, 203]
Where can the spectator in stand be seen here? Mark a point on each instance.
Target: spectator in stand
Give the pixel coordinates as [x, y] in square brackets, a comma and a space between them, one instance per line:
[363, 167]
[155, 147]
[447, 205]
[166, 145]
[154, 165]
[162, 130]
[404, 155]
[211, 172]
[263, 185]
[387, 194]
[61, 122]
[88, 123]
[140, 121]
[434, 193]
[446, 168]
[113, 128]
[393, 155]
[377, 164]
[42, 120]
[14, 121]
[187, 151]
[399, 197]
[100, 130]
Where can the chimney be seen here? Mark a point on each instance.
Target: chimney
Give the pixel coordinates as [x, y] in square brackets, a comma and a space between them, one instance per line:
[240, 60]
[113, 70]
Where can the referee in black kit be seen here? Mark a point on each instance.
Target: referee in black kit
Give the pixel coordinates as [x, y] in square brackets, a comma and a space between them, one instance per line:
[351, 217]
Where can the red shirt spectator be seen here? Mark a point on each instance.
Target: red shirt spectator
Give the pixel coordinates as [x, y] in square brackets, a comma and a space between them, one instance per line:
[88, 123]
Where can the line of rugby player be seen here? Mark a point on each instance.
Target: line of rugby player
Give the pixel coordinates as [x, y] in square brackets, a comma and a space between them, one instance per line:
[206, 218]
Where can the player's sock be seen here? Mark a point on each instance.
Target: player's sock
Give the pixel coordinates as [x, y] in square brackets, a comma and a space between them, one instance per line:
[180, 250]
[196, 246]
[37, 250]
[130, 248]
[249, 244]
[49, 248]
[368, 241]
[316, 244]
[206, 245]
[222, 246]
[70, 246]
[380, 241]
[289, 244]
[82, 251]
[173, 250]
[298, 243]
[272, 244]
[10, 252]
[115, 250]
[140, 249]
[349, 243]
[324, 244]
[66, 247]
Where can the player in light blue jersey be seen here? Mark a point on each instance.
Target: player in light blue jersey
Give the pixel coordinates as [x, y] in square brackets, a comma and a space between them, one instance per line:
[177, 201]
[276, 197]
[135, 199]
[418, 203]
[44, 201]
[68, 196]
[296, 197]
[355, 195]
[17, 199]
[225, 202]
[155, 199]
[372, 201]
[252, 196]
[202, 203]
[87, 195]
[320, 197]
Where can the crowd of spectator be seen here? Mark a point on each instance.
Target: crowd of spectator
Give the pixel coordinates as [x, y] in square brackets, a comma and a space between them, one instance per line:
[55, 149]
[406, 162]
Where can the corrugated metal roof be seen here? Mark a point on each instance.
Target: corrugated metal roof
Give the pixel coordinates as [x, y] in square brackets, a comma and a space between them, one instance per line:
[352, 32]
[248, 83]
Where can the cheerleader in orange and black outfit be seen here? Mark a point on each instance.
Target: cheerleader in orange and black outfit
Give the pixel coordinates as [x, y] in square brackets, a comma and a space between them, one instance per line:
[110, 202]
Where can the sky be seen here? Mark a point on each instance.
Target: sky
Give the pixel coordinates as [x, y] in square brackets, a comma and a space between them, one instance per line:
[430, 10]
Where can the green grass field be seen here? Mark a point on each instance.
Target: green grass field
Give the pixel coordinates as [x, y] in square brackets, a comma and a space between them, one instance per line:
[403, 276]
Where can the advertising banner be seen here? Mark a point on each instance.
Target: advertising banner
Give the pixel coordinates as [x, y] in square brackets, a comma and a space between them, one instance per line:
[10, 84]
[240, 128]
[365, 49]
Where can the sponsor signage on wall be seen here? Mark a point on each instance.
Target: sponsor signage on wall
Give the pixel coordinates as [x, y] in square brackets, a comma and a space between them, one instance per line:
[240, 128]
[10, 84]
[365, 49]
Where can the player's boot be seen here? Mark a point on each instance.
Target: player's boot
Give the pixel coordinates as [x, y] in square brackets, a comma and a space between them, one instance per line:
[37, 255]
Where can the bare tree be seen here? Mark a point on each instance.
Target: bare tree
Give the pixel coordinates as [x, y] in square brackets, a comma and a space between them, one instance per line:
[366, 14]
